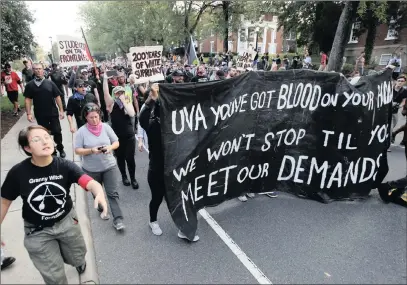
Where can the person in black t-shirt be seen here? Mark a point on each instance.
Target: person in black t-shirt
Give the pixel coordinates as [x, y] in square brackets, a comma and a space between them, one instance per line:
[89, 84]
[45, 96]
[121, 113]
[58, 77]
[76, 103]
[399, 101]
[200, 75]
[52, 233]
[27, 72]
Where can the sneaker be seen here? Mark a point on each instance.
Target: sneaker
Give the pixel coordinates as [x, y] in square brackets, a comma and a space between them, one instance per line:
[181, 235]
[250, 195]
[155, 228]
[81, 269]
[385, 191]
[118, 224]
[125, 181]
[107, 217]
[242, 198]
[7, 261]
[15, 114]
[272, 194]
[62, 154]
[134, 184]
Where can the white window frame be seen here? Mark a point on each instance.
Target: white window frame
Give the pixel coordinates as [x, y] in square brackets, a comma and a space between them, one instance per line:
[212, 46]
[230, 45]
[391, 32]
[212, 34]
[200, 47]
[354, 40]
[290, 36]
[381, 62]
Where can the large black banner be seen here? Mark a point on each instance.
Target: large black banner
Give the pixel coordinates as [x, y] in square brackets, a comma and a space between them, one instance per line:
[309, 133]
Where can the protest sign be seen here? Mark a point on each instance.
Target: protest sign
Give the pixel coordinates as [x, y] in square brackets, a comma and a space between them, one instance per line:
[146, 63]
[72, 51]
[309, 133]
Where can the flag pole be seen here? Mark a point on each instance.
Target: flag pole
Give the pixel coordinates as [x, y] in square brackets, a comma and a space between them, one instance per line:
[90, 55]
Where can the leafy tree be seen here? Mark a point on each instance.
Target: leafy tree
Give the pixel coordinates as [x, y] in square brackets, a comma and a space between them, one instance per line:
[16, 35]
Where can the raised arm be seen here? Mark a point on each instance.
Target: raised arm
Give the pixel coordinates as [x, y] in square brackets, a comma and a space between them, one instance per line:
[108, 99]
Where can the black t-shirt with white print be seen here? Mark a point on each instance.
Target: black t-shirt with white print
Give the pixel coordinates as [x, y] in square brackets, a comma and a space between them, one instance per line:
[44, 190]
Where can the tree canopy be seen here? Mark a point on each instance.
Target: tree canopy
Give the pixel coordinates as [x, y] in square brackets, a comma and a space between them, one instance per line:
[16, 36]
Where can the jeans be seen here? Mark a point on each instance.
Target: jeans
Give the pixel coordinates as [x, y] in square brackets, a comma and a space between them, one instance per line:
[157, 187]
[125, 154]
[109, 180]
[51, 247]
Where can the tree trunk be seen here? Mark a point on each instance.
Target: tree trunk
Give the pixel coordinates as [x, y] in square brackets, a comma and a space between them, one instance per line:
[225, 9]
[341, 37]
[370, 37]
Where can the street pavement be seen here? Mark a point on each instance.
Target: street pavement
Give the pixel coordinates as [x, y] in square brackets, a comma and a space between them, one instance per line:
[291, 240]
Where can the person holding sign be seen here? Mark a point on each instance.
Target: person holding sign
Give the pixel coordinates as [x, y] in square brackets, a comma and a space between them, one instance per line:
[122, 112]
[150, 122]
[52, 232]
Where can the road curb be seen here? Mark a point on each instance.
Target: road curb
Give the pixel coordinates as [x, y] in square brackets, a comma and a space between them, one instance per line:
[90, 276]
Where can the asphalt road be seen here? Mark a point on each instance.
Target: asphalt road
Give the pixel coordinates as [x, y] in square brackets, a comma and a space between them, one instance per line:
[291, 240]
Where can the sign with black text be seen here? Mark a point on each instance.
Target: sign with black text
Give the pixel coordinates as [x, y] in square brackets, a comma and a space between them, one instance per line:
[146, 63]
[309, 133]
[72, 51]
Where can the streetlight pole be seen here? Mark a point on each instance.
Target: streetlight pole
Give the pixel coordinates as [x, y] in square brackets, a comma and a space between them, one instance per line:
[52, 51]
[257, 37]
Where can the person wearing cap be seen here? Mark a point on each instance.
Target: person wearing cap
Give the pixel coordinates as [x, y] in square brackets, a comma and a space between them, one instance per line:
[27, 72]
[89, 84]
[11, 80]
[76, 103]
[122, 112]
[187, 73]
[177, 76]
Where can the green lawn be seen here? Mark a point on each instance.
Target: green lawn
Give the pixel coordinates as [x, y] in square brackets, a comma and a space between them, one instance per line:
[6, 104]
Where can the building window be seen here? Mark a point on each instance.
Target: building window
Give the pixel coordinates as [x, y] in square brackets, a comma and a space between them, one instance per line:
[212, 33]
[385, 58]
[230, 45]
[200, 47]
[212, 46]
[391, 31]
[353, 38]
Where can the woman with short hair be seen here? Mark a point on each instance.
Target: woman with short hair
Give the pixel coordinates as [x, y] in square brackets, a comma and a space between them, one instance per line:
[43, 181]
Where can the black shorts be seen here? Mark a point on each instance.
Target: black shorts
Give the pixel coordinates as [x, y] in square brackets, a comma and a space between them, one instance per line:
[50, 123]
[12, 96]
[395, 75]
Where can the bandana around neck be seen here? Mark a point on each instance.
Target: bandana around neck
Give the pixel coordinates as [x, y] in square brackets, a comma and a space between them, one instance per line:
[96, 130]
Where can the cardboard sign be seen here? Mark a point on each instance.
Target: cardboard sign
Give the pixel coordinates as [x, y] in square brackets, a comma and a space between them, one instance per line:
[146, 63]
[72, 51]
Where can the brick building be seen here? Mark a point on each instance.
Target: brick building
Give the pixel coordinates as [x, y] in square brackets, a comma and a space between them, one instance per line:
[269, 39]
[384, 47]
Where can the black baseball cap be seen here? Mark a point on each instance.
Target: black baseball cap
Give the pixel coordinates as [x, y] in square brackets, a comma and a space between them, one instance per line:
[79, 82]
[177, 73]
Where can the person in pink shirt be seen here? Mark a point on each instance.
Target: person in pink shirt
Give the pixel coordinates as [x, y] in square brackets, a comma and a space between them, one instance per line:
[324, 58]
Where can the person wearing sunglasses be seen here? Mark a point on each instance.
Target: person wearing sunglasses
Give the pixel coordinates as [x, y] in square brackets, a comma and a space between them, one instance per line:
[120, 106]
[52, 232]
[95, 142]
[76, 103]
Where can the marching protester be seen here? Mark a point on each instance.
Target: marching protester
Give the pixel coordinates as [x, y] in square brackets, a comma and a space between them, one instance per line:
[58, 77]
[27, 72]
[324, 61]
[150, 122]
[95, 141]
[89, 84]
[177, 76]
[6, 261]
[360, 63]
[11, 80]
[99, 85]
[76, 103]
[121, 115]
[200, 75]
[399, 101]
[52, 233]
[45, 96]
